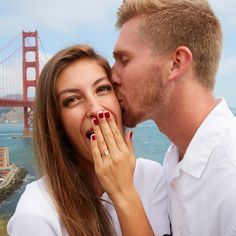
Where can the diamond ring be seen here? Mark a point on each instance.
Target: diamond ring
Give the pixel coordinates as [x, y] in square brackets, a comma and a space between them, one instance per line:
[105, 153]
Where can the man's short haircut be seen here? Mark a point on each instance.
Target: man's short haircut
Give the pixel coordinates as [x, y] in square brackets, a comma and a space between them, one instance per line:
[168, 24]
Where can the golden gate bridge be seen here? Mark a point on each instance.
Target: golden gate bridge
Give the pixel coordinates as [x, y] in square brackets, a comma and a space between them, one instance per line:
[19, 71]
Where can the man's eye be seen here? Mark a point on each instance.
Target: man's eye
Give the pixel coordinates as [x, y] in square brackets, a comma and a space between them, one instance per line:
[124, 60]
[104, 88]
[70, 100]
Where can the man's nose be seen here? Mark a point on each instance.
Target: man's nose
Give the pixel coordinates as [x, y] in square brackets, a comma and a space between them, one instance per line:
[115, 77]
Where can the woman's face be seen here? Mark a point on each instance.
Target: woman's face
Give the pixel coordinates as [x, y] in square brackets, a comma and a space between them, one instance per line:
[84, 89]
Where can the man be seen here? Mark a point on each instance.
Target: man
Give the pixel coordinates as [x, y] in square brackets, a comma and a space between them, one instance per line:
[166, 60]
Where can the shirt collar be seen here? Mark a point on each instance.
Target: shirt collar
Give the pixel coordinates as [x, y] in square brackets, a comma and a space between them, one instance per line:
[208, 136]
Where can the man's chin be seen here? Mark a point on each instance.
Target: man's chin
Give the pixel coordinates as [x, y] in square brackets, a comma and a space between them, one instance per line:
[129, 119]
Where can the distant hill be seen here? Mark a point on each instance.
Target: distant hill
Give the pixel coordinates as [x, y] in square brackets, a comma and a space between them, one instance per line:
[11, 114]
[12, 96]
[233, 110]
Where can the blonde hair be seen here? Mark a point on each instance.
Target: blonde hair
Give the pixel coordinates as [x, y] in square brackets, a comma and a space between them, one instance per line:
[168, 24]
[79, 208]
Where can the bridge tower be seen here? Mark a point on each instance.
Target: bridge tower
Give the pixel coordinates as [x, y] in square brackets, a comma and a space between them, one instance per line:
[28, 81]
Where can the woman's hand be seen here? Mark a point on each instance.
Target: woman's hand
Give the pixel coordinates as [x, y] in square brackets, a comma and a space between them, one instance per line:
[114, 158]
[114, 163]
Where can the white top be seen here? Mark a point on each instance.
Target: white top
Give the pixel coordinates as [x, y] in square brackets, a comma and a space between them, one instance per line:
[202, 187]
[36, 215]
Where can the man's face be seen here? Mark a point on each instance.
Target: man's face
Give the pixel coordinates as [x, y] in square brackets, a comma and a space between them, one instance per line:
[136, 75]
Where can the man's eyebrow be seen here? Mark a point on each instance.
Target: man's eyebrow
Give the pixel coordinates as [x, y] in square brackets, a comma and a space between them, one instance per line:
[117, 53]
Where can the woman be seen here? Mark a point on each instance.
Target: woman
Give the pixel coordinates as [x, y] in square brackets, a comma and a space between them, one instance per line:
[76, 109]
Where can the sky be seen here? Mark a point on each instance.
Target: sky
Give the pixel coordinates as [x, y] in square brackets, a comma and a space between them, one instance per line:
[61, 23]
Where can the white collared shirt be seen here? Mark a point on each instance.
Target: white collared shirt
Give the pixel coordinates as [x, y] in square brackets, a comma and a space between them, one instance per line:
[202, 187]
[36, 214]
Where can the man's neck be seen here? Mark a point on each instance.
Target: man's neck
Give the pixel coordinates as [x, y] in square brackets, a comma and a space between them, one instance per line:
[184, 115]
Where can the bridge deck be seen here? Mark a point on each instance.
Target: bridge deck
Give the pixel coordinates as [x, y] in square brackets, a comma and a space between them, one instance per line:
[15, 103]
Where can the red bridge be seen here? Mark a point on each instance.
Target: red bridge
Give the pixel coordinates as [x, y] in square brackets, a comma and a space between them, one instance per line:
[19, 70]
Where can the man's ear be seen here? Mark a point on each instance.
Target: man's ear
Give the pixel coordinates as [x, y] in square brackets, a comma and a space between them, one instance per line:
[181, 61]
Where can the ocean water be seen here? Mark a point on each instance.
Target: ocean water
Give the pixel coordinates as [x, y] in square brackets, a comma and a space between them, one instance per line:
[148, 142]
[20, 153]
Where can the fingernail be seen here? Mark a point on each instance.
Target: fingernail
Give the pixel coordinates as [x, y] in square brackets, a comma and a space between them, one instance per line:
[93, 136]
[100, 115]
[131, 134]
[95, 121]
[107, 114]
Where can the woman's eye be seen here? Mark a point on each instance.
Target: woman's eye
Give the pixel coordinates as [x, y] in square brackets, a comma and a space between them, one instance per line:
[104, 88]
[71, 100]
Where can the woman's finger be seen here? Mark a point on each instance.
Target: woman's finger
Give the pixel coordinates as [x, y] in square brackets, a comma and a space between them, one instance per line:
[101, 143]
[115, 131]
[107, 135]
[98, 163]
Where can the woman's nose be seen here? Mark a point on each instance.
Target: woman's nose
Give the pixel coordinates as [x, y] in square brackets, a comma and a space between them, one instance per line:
[93, 108]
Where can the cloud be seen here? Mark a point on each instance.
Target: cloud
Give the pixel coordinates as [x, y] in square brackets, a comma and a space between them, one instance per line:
[11, 80]
[43, 58]
[57, 15]
[226, 83]
[228, 67]
[11, 74]
[225, 10]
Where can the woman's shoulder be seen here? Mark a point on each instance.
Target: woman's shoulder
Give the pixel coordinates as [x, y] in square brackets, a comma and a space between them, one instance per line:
[35, 199]
[35, 206]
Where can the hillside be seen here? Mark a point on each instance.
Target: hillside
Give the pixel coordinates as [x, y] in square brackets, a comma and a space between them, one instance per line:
[11, 115]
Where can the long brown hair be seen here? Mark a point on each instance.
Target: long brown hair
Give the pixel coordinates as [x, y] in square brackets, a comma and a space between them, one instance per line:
[79, 208]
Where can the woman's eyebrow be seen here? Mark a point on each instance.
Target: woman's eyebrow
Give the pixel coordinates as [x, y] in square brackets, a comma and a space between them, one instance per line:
[99, 80]
[68, 90]
[75, 90]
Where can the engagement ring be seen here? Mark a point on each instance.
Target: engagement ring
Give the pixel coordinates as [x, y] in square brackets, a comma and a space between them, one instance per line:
[105, 153]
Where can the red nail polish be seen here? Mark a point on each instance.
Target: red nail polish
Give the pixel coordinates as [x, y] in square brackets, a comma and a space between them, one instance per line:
[131, 134]
[93, 136]
[107, 114]
[100, 115]
[95, 121]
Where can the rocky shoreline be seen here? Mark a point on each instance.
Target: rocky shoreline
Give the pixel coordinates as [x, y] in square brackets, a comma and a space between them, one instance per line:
[15, 183]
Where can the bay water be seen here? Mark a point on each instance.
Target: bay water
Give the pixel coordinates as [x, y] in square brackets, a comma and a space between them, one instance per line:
[148, 142]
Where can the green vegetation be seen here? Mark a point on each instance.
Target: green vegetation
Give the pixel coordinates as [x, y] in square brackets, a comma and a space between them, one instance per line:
[16, 182]
[3, 225]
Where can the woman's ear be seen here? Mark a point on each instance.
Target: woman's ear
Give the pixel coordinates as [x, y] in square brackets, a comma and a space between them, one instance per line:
[181, 62]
